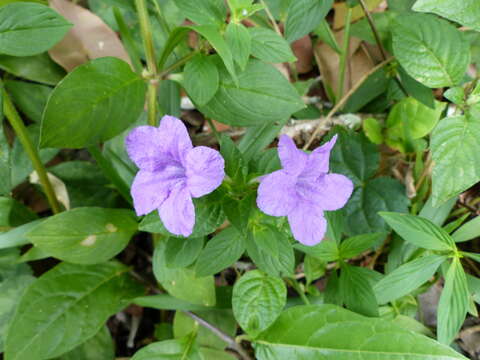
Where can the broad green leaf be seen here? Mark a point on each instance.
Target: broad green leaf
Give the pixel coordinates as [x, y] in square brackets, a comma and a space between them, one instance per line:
[181, 252]
[431, 50]
[29, 98]
[168, 302]
[325, 33]
[209, 216]
[85, 235]
[14, 213]
[419, 231]
[437, 215]
[177, 35]
[268, 46]
[16, 237]
[453, 304]
[356, 291]
[467, 231]
[327, 250]
[221, 319]
[235, 165]
[263, 95]
[98, 347]
[257, 301]
[216, 354]
[169, 98]
[182, 282]
[355, 245]
[400, 5]
[29, 29]
[220, 252]
[238, 210]
[178, 349]
[65, 307]
[330, 332]
[373, 130]
[201, 79]
[379, 194]
[455, 143]
[203, 12]
[456, 95]
[304, 16]
[95, 102]
[465, 12]
[36, 68]
[266, 162]
[313, 268]
[417, 90]
[239, 40]
[406, 278]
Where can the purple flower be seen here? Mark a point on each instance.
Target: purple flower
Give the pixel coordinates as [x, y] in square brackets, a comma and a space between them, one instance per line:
[172, 172]
[303, 190]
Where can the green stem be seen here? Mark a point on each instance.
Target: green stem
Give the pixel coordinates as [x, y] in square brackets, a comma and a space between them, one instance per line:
[152, 102]
[22, 134]
[110, 172]
[345, 52]
[298, 288]
[177, 64]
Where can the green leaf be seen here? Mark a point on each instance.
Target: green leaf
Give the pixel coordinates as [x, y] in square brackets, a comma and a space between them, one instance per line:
[467, 231]
[355, 245]
[29, 29]
[356, 291]
[71, 303]
[181, 252]
[5, 168]
[263, 95]
[239, 41]
[465, 12]
[456, 95]
[201, 79]
[14, 213]
[313, 268]
[419, 231]
[168, 302]
[454, 143]
[209, 216]
[203, 12]
[437, 215]
[327, 250]
[373, 130]
[430, 50]
[169, 98]
[417, 90]
[216, 354]
[281, 261]
[330, 332]
[220, 252]
[36, 68]
[257, 301]
[221, 319]
[16, 237]
[379, 194]
[235, 165]
[178, 349]
[238, 211]
[98, 347]
[85, 235]
[304, 16]
[453, 304]
[94, 102]
[266, 162]
[268, 46]
[182, 282]
[29, 98]
[406, 278]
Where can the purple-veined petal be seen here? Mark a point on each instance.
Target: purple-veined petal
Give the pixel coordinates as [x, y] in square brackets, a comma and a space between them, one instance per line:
[307, 223]
[174, 138]
[276, 193]
[293, 160]
[143, 147]
[336, 190]
[318, 160]
[150, 189]
[204, 169]
[177, 211]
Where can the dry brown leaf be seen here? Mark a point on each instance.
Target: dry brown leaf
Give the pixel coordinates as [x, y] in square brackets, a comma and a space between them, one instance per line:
[89, 38]
[357, 13]
[303, 50]
[328, 61]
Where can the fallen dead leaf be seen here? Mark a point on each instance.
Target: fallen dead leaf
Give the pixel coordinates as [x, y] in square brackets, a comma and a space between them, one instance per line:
[89, 38]
[303, 50]
[58, 186]
[357, 12]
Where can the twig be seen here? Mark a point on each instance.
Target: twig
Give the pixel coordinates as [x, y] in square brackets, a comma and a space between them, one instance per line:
[225, 337]
[343, 100]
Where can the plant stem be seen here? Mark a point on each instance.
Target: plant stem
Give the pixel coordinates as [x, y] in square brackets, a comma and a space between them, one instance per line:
[22, 134]
[225, 337]
[271, 18]
[345, 52]
[342, 102]
[295, 284]
[110, 172]
[379, 41]
[177, 64]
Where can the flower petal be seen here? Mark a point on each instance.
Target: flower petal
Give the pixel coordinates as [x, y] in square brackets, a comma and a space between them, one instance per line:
[276, 193]
[293, 160]
[204, 169]
[143, 147]
[318, 160]
[174, 138]
[307, 223]
[177, 211]
[336, 190]
[150, 189]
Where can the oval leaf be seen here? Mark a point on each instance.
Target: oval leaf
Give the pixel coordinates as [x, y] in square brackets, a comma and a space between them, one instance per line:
[201, 79]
